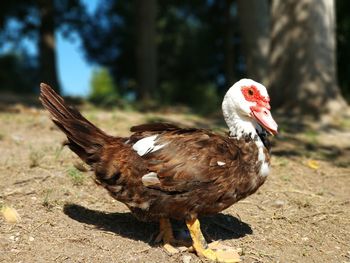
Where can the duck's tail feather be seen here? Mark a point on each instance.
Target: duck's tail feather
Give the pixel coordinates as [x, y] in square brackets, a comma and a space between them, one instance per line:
[84, 138]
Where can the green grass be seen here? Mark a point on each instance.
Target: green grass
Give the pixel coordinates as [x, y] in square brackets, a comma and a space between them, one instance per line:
[345, 123]
[312, 137]
[76, 176]
[58, 150]
[47, 202]
[286, 178]
[281, 161]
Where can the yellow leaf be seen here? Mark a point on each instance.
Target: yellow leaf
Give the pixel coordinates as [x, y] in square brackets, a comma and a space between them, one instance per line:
[313, 164]
[10, 214]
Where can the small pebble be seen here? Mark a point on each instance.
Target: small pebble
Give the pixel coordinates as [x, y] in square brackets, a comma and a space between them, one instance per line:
[279, 203]
[305, 239]
[186, 259]
[31, 239]
[16, 138]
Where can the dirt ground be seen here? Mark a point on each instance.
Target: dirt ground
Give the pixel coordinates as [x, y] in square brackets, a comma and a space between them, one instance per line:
[301, 214]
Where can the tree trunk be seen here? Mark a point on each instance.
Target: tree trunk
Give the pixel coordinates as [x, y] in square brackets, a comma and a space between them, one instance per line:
[47, 45]
[254, 19]
[229, 48]
[302, 59]
[146, 50]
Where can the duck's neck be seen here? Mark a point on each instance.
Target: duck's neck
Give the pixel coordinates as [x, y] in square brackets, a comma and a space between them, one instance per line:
[244, 127]
[239, 126]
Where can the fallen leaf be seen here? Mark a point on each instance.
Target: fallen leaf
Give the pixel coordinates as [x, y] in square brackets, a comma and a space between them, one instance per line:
[313, 164]
[10, 214]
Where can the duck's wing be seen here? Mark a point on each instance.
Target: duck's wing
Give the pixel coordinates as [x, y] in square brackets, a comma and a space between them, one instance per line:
[180, 160]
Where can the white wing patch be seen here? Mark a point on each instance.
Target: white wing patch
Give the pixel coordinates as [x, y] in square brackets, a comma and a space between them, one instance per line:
[147, 145]
[150, 179]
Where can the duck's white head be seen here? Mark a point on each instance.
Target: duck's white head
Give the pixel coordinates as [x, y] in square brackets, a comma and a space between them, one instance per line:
[246, 109]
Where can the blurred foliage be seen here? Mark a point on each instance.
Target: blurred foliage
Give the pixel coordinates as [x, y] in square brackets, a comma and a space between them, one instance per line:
[20, 23]
[189, 42]
[103, 90]
[20, 18]
[343, 46]
[18, 73]
[190, 48]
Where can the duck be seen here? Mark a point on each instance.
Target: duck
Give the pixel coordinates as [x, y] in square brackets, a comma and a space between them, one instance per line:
[163, 172]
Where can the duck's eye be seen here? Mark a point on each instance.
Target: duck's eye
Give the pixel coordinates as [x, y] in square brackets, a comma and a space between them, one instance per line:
[250, 92]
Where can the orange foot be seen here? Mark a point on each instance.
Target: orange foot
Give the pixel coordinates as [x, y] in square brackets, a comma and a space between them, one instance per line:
[213, 251]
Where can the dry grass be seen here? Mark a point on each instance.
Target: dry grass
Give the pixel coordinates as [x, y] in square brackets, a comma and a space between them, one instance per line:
[301, 214]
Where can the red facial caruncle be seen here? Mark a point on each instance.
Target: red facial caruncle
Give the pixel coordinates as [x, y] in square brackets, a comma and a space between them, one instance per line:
[252, 94]
[260, 111]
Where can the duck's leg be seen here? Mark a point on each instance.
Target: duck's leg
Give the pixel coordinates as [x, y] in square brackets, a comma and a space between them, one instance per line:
[203, 250]
[166, 234]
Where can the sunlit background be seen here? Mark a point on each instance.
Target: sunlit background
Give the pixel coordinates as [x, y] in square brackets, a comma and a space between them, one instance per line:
[128, 62]
[181, 53]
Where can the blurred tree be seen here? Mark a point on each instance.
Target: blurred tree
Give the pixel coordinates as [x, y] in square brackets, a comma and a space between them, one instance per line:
[254, 20]
[229, 47]
[38, 20]
[343, 44]
[191, 38]
[146, 49]
[103, 90]
[109, 39]
[303, 65]
[47, 44]
[18, 73]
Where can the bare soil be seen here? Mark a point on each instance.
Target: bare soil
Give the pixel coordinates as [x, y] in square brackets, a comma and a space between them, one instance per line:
[301, 214]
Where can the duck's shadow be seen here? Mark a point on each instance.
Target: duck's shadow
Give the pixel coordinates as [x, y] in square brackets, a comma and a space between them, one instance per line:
[220, 226]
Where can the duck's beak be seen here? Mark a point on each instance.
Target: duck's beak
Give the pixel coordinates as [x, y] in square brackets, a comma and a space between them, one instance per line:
[263, 116]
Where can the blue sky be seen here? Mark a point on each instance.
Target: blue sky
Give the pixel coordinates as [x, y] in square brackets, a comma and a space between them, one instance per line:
[74, 71]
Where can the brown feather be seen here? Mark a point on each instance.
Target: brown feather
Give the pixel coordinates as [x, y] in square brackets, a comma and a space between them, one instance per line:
[154, 127]
[84, 138]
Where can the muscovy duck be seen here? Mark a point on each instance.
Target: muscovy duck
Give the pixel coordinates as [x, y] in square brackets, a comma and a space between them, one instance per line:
[164, 172]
